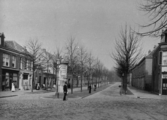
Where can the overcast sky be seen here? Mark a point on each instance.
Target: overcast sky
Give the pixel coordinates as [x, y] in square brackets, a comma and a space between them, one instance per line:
[94, 23]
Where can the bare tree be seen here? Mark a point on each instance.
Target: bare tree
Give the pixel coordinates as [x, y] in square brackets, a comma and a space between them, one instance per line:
[90, 66]
[127, 54]
[72, 48]
[34, 47]
[157, 11]
[46, 64]
[99, 68]
[82, 57]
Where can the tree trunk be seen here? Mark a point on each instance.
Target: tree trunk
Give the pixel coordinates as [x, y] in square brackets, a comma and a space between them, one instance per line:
[81, 82]
[72, 84]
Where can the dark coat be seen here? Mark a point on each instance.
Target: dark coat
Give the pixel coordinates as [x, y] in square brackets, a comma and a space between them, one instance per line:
[65, 88]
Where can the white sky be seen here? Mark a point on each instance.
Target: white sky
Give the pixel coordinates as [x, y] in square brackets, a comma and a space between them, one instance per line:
[93, 23]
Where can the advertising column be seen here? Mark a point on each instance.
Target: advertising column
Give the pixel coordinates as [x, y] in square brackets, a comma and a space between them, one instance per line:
[62, 76]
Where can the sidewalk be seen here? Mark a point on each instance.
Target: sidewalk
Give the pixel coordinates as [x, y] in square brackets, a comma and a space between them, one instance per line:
[50, 93]
[144, 94]
[77, 94]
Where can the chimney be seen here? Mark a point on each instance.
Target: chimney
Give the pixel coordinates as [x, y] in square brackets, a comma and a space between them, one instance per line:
[2, 39]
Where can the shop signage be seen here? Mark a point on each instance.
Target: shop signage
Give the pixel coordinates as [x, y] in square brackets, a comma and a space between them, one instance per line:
[63, 72]
[164, 58]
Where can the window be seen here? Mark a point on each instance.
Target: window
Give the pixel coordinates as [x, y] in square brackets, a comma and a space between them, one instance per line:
[25, 77]
[6, 60]
[0, 41]
[31, 66]
[160, 58]
[13, 61]
[28, 65]
[21, 63]
[25, 65]
[7, 80]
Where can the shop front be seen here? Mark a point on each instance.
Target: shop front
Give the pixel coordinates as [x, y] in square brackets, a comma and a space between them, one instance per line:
[9, 77]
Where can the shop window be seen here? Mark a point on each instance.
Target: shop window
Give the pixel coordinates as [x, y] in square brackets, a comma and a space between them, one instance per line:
[7, 80]
[6, 60]
[13, 61]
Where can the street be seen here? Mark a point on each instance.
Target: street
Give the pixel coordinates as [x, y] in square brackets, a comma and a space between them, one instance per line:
[105, 105]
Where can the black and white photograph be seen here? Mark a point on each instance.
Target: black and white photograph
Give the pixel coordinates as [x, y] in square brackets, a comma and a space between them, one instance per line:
[83, 59]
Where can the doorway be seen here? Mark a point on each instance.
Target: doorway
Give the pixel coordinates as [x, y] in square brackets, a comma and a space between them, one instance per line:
[164, 86]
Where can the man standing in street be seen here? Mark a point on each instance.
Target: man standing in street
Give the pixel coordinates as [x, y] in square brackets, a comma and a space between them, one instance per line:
[65, 91]
[90, 87]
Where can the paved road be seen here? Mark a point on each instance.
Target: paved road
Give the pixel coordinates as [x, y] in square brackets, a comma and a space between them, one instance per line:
[105, 105]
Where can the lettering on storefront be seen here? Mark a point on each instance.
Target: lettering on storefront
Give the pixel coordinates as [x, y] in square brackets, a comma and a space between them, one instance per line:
[164, 58]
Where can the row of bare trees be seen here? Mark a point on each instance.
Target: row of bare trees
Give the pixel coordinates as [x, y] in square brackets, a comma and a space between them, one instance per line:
[81, 63]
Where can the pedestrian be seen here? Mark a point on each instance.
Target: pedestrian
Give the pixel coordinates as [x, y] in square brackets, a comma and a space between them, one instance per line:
[43, 86]
[65, 90]
[90, 87]
[38, 86]
[13, 87]
[3, 85]
[94, 87]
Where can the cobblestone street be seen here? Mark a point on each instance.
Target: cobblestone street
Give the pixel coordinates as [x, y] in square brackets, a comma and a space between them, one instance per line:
[104, 105]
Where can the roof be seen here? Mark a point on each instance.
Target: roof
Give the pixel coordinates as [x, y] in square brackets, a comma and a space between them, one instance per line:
[15, 46]
[149, 56]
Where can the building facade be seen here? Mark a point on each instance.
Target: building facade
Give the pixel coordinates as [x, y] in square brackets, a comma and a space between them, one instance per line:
[151, 72]
[159, 78]
[15, 65]
[141, 74]
[46, 73]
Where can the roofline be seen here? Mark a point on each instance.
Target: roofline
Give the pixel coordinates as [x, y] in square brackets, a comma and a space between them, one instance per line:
[13, 51]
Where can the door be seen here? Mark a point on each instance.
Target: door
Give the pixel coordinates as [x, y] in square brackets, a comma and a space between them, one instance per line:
[164, 86]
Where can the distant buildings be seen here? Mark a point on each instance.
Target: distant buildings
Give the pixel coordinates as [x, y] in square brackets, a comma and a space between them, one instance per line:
[151, 72]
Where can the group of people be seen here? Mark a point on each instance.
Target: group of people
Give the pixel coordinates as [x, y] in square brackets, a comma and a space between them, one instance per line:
[90, 88]
[65, 90]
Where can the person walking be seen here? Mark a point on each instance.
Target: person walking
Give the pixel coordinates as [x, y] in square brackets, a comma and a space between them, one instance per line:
[90, 87]
[13, 87]
[94, 87]
[65, 91]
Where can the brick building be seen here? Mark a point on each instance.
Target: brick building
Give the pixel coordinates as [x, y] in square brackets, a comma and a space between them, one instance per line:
[151, 72]
[15, 65]
[159, 77]
[141, 74]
